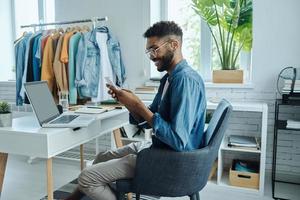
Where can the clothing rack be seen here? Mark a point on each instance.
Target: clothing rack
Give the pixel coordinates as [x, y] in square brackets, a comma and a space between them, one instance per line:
[94, 20]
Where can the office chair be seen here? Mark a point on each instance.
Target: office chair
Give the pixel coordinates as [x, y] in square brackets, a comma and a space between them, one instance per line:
[164, 172]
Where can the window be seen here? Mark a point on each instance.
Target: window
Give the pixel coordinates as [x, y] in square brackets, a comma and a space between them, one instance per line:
[6, 41]
[198, 47]
[26, 12]
[33, 12]
[18, 13]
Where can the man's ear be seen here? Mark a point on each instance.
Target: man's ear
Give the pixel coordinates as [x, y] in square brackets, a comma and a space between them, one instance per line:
[174, 44]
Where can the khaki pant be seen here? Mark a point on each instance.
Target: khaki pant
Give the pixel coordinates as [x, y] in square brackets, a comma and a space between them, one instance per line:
[108, 167]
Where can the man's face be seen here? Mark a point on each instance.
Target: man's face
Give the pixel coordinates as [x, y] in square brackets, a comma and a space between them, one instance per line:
[159, 52]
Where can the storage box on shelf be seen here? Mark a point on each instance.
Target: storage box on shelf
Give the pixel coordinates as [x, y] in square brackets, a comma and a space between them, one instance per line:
[248, 177]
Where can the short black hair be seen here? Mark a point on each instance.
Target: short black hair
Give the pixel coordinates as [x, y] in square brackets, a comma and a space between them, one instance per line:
[163, 28]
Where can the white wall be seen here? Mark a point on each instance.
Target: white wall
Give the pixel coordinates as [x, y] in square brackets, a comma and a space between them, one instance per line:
[276, 31]
[6, 41]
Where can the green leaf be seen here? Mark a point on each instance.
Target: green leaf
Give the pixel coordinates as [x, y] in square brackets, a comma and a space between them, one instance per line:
[235, 20]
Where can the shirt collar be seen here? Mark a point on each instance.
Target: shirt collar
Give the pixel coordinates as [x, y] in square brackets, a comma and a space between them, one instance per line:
[179, 67]
[102, 29]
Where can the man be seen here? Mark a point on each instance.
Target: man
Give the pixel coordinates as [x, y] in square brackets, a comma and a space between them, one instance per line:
[176, 115]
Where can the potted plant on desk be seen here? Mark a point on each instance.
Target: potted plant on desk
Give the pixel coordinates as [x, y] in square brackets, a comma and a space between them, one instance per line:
[230, 24]
[5, 114]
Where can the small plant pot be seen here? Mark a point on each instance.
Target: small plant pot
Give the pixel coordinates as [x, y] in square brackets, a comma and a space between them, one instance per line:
[6, 120]
[228, 76]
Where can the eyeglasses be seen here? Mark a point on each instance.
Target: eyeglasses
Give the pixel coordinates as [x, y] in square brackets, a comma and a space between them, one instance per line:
[153, 52]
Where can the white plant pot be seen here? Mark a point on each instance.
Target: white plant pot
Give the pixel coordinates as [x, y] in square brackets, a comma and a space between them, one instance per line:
[6, 120]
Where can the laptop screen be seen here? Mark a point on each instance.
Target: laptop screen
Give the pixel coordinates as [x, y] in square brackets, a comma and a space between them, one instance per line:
[41, 100]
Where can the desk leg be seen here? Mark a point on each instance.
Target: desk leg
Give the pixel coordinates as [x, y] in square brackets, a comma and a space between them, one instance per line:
[117, 136]
[3, 161]
[119, 143]
[49, 179]
[81, 157]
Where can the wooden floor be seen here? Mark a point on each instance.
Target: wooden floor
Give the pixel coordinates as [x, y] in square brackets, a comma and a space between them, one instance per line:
[25, 181]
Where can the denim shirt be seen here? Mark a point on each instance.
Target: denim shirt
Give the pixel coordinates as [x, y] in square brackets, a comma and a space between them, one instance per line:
[88, 62]
[20, 50]
[179, 117]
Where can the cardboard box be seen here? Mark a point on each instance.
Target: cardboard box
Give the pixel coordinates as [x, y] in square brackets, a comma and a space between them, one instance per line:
[243, 179]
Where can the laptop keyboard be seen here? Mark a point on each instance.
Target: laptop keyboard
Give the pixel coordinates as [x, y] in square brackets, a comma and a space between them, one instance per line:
[64, 119]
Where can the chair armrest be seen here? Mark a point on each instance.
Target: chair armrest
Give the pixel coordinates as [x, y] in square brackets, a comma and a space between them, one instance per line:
[158, 169]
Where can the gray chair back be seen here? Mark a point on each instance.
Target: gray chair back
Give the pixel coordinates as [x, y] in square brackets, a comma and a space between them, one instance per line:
[164, 172]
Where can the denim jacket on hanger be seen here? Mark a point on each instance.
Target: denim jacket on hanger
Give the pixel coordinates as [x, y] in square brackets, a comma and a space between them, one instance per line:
[114, 53]
[88, 62]
[20, 52]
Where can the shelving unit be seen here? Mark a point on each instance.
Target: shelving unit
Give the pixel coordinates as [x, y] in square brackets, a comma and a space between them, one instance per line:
[280, 124]
[258, 155]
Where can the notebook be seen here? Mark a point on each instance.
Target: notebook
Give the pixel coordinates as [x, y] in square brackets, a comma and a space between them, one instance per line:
[46, 110]
[242, 141]
[91, 110]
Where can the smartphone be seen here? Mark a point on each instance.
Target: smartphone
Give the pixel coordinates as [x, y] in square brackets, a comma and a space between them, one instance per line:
[110, 82]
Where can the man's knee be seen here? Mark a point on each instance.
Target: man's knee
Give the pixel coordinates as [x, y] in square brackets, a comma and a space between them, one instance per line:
[86, 178]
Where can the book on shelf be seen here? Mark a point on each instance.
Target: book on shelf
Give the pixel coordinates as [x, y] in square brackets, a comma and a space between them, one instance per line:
[288, 82]
[240, 141]
[293, 124]
[288, 86]
[146, 96]
[152, 83]
[146, 89]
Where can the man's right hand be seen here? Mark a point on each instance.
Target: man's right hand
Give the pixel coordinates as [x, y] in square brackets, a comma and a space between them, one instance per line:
[126, 97]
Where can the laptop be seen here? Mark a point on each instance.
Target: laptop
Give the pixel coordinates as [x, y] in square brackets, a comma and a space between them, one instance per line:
[46, 110]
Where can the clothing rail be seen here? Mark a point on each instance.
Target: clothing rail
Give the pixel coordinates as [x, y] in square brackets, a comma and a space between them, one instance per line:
[94, 20]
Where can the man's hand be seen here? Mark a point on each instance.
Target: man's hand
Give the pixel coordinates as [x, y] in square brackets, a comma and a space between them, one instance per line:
[131, 102]
[125, 97]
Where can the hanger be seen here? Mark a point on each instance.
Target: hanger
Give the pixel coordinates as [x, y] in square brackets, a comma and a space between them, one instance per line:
[20, 38]
[85, 28]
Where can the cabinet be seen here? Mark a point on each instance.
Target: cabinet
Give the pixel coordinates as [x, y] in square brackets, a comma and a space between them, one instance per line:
[227, 153]
[279, 125]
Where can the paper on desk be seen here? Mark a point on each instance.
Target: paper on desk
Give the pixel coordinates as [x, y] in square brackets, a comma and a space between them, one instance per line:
[91, 110]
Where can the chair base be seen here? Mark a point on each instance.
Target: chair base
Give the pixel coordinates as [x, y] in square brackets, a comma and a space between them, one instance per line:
[121, 196]
[195, 196]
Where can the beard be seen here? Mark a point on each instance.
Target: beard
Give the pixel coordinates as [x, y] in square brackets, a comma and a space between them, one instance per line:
[165, 61]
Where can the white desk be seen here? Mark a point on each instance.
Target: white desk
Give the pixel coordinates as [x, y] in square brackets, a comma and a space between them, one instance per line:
[26, 137]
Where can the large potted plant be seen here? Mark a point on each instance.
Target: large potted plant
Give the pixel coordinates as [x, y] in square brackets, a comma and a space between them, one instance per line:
[5, 114]
[230, 23]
